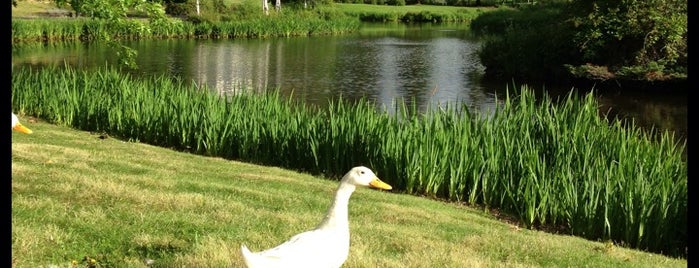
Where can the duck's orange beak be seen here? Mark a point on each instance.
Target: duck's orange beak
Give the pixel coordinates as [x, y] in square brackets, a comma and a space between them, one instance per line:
[21, 128]
[376, 183]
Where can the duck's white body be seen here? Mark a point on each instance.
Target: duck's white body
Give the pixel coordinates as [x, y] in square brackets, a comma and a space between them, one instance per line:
[16, 125]
[303, 250]
[326, 246]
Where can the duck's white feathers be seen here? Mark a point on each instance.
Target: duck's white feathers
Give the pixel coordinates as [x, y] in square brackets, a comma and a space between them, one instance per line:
[313, 249]
[326, 246]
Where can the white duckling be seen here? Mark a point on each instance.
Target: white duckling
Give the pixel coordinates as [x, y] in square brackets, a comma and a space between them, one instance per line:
[16, 125]
[326, 246]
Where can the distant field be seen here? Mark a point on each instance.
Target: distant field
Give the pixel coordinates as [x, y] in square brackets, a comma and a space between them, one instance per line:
[32, 9]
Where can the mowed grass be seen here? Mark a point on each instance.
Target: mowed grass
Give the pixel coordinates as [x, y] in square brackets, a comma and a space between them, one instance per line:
[32, 8]
[78, 194]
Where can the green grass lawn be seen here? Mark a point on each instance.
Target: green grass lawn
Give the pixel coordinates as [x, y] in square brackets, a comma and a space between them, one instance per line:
[77, 194]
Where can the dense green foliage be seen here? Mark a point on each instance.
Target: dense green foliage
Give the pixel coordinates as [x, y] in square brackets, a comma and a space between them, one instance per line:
[114, 14]
[601, 40]
[113, 9]
[554, 164]
[640, 39]
[525, 44]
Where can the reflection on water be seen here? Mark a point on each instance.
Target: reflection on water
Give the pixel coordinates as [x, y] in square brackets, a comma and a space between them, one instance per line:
[664, 112]
[426, 65]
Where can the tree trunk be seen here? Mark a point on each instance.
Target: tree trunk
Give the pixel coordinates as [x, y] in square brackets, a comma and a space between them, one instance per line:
[197, 7]
[265, 7]
[278, 5]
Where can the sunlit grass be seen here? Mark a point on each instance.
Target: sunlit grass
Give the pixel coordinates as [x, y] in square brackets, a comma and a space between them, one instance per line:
[32, 8]
[119, 203]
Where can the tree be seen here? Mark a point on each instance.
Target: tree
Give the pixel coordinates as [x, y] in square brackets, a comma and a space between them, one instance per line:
[644, 36]
[112, 9]
[618, 40]
[115, 12]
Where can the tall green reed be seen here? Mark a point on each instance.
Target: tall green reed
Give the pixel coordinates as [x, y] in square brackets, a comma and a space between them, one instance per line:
[548, 162]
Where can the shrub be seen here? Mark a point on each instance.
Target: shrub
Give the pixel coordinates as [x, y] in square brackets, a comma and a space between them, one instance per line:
[179, 9]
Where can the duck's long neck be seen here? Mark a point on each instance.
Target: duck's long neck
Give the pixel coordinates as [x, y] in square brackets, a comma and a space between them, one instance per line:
[336, 217]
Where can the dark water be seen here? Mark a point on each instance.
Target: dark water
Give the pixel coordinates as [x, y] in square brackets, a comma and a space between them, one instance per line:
[430, 65]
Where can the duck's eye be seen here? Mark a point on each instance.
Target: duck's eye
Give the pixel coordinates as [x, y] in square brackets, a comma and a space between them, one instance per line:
[361, 172]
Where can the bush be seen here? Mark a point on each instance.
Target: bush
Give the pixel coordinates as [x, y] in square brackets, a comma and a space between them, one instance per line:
[634, 36]
[395, 2]
[523, 54]
[636, 40]
[179, 9]
[219, 6]
[245, 10]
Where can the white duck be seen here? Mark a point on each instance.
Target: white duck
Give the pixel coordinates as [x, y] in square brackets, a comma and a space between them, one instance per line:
[326, 246]
[16, 125]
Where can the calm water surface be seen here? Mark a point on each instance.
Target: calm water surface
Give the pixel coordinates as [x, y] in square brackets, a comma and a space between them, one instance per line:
[431, 65]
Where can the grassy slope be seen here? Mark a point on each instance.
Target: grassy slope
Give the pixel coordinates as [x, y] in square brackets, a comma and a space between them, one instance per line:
[77, 195]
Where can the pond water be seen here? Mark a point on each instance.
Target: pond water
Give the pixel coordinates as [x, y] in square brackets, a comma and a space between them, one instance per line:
[428, 64]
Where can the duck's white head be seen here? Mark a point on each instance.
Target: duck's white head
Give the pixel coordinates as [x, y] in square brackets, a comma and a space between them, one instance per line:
[363, 176]
[16, 125]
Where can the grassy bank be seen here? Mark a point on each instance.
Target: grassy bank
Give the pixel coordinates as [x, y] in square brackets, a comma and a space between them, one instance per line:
[560, 165]
[77, 195]
[61, 30]
[322, 20]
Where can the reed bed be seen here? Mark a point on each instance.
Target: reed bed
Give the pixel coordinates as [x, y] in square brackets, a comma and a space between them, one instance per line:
[52, 30]
[554, 163]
